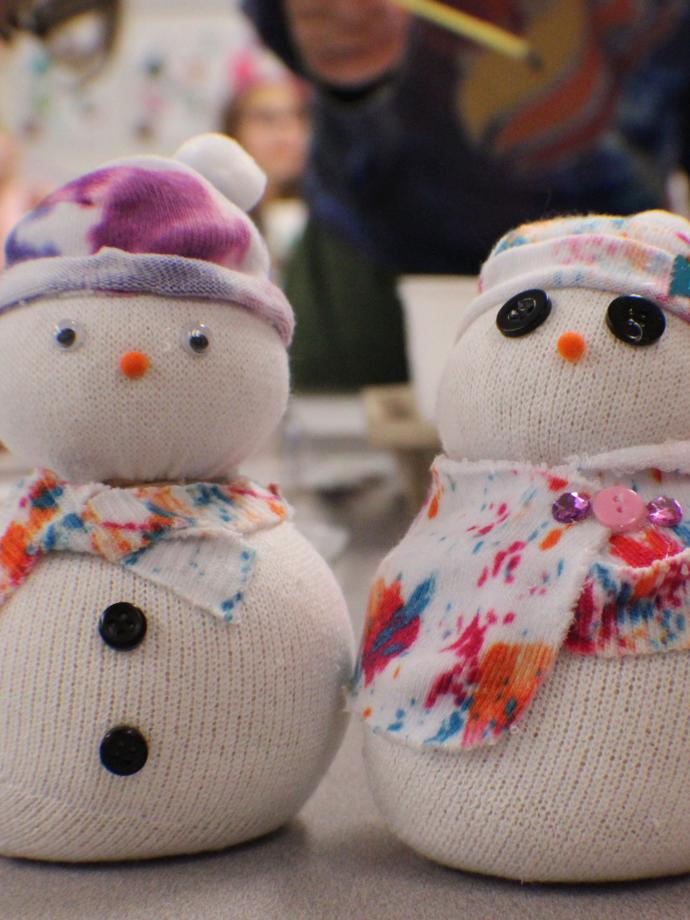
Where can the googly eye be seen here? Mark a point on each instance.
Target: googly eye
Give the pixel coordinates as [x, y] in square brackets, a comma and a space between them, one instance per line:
[523, 313]
[68, 335]
[635, 320]
[196, 339]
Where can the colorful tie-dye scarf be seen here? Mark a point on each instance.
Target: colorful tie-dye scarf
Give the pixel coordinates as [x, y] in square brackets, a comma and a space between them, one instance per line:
[467, 614]
[188, 538]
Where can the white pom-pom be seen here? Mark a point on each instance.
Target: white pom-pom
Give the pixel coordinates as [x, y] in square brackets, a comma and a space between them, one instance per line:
[227, 166]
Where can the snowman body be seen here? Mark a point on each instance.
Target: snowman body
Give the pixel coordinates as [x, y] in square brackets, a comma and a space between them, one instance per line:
[590, 784]
[239, 717]
[240, 720]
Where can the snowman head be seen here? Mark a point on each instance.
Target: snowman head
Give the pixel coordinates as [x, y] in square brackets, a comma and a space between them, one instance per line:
[140, 336]
[577, 345]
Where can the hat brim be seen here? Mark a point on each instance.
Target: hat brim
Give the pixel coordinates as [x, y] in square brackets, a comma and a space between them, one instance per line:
[145, 273]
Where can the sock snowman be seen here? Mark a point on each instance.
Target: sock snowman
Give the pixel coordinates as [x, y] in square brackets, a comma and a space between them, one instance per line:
[524, 674]
[172, 652]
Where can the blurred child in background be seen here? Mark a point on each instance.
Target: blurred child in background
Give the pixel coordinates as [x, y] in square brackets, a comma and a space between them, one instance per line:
[269, 116]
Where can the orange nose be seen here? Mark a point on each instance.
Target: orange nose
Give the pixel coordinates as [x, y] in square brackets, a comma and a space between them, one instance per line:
[134, 364]
[571, 346]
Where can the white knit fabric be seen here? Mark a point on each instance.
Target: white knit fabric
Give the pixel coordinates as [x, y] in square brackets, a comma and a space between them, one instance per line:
[240, 719]
[227, 166]
[241, 722]
[591, 786]
[518, 399]
[189, 417]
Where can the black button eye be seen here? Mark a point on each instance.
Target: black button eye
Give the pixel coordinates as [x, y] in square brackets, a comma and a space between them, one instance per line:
[523, 313]
[635, 320]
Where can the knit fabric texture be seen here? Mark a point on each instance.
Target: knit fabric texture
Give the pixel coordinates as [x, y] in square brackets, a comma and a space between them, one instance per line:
[591, 786]
[188, 538]
[241, 723]
[468, 613]
[191, 417]
[646, 254]
[568, 642]
[528, 404]
[145, 224]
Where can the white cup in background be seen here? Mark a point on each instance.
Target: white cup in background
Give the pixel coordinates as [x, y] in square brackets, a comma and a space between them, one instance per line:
[433, 306]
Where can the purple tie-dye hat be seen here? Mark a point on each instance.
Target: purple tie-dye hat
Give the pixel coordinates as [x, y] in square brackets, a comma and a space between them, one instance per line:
[175, 227]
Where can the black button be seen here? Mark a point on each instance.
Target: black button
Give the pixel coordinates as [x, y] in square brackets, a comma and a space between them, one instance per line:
[635, 320]
[523, 313]
[122, 626]
[124, 750]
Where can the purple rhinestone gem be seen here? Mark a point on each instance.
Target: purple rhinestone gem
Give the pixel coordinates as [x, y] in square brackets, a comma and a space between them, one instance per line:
[665, 511]
[570, 507]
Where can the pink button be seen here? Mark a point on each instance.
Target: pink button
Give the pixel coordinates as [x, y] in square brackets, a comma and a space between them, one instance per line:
[619, 509]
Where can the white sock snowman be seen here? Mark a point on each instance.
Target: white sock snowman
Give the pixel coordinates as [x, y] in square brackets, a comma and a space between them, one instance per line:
[525, 668]
[172, 652]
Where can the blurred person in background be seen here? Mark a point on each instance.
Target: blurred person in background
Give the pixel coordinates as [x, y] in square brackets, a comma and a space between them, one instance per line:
[268, 114]
[428, 147]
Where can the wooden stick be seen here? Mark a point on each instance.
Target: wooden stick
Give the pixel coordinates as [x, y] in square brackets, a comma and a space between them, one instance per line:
[477, 30]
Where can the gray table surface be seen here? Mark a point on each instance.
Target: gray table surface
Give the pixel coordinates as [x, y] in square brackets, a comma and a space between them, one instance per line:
[336, 859]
